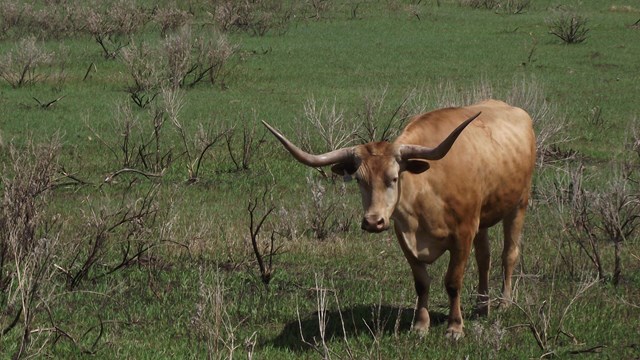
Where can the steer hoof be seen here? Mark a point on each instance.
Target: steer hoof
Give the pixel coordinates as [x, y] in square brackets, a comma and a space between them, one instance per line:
[504, 304]
[423, 322]
[481, 310]
[421, 328]
[454, 334]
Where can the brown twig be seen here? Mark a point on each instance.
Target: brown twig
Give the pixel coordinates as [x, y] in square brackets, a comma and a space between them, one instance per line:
[111, 176]
[47, 104]
[593, 349]
[255, 225]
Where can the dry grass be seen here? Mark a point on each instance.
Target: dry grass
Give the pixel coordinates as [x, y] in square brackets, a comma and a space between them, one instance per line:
[27, 249]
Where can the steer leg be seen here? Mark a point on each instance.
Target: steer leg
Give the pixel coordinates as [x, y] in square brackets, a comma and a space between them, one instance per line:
[483, 259]
[422, 281]
[453, 284]
[512, 225]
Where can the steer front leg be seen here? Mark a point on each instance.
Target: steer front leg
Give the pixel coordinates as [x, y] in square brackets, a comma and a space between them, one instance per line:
[453, 284]
[422, 281]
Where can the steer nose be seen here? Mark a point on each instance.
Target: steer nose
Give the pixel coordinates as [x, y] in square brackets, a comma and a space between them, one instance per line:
[373, 223]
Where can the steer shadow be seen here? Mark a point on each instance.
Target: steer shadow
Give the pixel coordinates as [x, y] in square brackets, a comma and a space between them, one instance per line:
[349, 323]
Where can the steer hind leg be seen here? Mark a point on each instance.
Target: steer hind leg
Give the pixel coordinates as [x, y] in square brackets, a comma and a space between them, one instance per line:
[512, 225]
[483, 259]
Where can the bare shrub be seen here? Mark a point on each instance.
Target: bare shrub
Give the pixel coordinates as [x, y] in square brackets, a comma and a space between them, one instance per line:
[256, 17]
[177, 49]
[242, 154]
[514, 6]
[171, 19]
[545, 317]
[480, 4]
[218, 58]
[549, 125]
[506, 6]
[568, 26]
[618, 207]
[112, 26]
[327, 214]
[116, 234]
[55, 21]
[374, 127]
[194, 147]
[182, 60]
[598, 218]
[140, 147]
[191, 59]
[144, 68]
[28, 239]
[634, 142]
[329, 123]
[12, 15]
[259, 209]
[21, 66]
[319, 8]
[502, 6]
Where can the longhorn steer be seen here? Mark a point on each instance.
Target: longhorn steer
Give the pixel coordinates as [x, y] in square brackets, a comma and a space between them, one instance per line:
[484, 178]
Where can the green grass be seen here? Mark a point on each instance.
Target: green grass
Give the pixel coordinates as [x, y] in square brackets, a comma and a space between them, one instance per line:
[150, 309]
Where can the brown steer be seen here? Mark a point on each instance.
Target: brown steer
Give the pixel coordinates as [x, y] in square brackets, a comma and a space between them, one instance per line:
[484, 178]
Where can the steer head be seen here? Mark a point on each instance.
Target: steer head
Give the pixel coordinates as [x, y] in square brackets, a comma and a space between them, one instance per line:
[377, 167]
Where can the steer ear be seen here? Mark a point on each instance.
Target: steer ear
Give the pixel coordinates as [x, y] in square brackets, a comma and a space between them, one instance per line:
[416, 166]
[345, 169]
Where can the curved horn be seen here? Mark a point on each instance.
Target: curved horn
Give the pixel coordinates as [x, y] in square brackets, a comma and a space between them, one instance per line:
[332, 157]
[438, 152]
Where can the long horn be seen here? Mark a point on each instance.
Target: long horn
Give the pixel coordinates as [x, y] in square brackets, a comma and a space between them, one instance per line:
[330, 158]
[437, 153]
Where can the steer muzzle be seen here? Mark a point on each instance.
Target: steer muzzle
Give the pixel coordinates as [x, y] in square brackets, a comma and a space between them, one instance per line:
[374, 223]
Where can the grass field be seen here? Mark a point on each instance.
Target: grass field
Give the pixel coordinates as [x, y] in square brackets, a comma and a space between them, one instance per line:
[117, 242]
